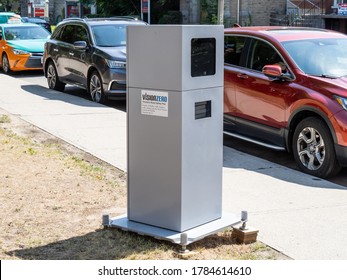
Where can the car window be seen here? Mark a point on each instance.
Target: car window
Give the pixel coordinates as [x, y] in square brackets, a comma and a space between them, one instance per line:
[14, 33]
[25, 33]
[263, 54]
[71, 33]
[58, 31]
[81, 34]
[109, 35]
[67, 34]
[233, 46]
[332, 54]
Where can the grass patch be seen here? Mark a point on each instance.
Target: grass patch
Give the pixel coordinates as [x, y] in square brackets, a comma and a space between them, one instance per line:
[5, 119]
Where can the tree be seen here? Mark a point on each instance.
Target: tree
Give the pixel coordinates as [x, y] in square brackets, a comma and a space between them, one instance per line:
[116, 7]
[159, 8]
[6, 5]
[209, 11]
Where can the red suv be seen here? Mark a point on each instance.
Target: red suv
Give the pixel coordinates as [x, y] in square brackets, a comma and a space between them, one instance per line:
[286, 88]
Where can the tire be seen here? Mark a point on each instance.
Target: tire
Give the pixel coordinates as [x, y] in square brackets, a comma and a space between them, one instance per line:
[313, 148]
[95, 88]
[53, 78]
[6, 64]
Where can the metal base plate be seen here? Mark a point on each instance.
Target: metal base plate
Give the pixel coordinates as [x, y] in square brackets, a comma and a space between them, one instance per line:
[194, 234]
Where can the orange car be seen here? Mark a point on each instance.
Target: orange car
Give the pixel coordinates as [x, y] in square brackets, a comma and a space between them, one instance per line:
[21, 46]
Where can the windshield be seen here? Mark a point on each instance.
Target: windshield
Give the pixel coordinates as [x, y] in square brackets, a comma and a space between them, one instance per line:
[320, 57]
[25, 33]
[109, 35]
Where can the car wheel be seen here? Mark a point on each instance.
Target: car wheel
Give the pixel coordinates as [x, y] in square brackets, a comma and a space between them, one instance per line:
[5, 64]
[95, 88]
[53, 79]
[313, 148]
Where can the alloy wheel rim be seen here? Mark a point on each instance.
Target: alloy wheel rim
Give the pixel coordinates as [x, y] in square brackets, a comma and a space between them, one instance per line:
[311, 148]
[51, 76]
[95, 88]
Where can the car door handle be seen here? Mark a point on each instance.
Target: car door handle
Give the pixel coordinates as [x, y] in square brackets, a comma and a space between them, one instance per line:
[55, 50]
[71, 53]
[242, 76]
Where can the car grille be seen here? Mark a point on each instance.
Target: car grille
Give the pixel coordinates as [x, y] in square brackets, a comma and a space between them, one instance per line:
[34, 61]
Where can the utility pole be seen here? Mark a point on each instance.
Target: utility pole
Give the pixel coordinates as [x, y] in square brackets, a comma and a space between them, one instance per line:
[220, 12]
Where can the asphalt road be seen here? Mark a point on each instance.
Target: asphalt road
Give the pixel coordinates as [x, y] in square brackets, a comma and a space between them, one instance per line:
[282, 158]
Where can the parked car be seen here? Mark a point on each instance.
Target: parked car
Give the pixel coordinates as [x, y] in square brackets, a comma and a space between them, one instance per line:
[286, 88]
[21, 46]
[38, 21]
[9, 17]
[90, 53]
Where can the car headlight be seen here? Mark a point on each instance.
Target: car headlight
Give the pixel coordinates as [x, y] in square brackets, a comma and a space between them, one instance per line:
[115, 63]
[15, 51]
[342, 101]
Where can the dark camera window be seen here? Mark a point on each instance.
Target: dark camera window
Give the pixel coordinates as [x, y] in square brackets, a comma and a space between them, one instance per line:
[202, 109]
[203, 57]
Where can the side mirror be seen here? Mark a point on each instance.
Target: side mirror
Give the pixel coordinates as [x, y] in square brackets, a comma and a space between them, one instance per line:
[275, 71]
[80, 45]
[272, 70]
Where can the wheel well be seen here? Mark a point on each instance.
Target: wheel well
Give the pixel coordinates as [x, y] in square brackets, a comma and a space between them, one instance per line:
[2, 55]
[46, 65]
[295, 120]
[90, 71]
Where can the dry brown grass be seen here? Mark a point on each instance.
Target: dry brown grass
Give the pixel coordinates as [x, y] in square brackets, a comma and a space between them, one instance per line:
[53, 197]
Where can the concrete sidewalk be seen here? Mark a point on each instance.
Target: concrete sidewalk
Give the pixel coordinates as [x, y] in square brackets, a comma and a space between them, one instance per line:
[297, 214]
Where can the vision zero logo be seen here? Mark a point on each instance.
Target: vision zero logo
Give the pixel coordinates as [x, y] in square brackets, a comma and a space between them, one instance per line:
[154, 103]
[154, 98]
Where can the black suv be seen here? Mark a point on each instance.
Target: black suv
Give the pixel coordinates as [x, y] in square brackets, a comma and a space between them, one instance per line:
[90, 53]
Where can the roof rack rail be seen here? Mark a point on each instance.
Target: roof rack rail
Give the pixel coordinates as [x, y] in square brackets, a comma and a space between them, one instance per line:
[114, 18]
[126, 17]
[73, 18]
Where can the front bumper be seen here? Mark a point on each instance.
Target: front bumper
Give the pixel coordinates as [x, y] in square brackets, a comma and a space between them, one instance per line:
[26, 62]
[115, 83]
[341, 154]
[339, 122]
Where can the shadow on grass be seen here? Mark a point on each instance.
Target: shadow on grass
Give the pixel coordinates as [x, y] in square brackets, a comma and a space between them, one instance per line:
[115, 244]
[102, 244]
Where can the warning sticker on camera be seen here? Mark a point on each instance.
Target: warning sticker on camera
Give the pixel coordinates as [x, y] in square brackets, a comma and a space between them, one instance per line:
[154, 103]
